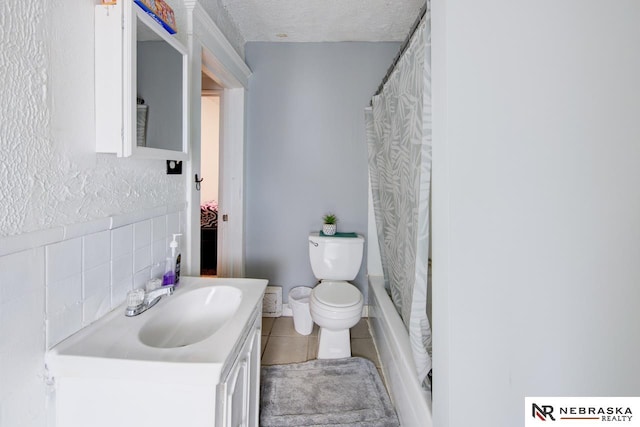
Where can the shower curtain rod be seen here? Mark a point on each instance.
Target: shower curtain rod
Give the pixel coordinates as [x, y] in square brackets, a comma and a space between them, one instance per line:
[421, 14]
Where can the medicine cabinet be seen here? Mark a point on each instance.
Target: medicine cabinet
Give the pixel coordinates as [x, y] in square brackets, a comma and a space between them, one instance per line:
[141, 85]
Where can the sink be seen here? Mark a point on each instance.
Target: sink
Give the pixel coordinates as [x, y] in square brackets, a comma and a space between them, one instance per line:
[191, 317]
[185, 347]
[187, 336]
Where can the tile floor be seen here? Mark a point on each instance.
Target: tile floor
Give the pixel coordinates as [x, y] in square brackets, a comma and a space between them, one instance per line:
[281, 343]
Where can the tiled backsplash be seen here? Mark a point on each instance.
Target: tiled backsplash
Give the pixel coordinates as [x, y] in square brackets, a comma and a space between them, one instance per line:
[88, 276]
[55, 282]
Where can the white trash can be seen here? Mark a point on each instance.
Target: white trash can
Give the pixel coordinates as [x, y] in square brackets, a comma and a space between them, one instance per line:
[299, 303]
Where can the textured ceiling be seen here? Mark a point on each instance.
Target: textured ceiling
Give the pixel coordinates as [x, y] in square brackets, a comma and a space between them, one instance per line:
[323, 20]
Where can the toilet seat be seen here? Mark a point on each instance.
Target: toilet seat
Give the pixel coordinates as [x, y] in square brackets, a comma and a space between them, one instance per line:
[336, 301]
[336, 295]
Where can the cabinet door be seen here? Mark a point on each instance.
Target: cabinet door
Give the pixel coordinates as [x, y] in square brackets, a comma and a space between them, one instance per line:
[238, 393]
[238, 402]
[254, 381]
[141, 85]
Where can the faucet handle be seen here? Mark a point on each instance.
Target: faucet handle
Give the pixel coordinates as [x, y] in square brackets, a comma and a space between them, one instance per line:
[135, 298]
[153, 284]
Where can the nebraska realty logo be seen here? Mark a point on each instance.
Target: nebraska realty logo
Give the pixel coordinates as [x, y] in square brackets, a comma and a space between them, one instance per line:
[582, 411]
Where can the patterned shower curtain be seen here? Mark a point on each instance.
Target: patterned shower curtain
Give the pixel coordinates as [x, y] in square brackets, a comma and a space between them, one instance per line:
[399, 141]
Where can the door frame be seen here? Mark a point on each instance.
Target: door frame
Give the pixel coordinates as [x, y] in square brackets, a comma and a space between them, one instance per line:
[210, 52]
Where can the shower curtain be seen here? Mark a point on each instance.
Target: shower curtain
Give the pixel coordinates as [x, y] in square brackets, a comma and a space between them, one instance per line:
[399, 141]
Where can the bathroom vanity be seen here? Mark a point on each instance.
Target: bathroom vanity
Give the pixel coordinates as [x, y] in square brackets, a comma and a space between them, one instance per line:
[193, 359]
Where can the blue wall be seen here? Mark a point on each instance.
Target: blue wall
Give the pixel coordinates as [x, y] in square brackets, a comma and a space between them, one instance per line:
[306, 150]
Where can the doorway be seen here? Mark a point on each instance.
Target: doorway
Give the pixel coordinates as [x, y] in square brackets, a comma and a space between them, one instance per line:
[211, 54]
[210, 169]
[229, 235]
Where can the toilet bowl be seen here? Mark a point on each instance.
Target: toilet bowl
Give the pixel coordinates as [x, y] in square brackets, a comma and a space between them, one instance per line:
[335, 304]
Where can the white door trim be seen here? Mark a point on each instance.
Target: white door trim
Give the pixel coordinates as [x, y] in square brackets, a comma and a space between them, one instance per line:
[211, 52]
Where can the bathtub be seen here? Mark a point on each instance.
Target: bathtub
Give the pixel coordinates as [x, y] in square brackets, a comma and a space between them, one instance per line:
[412, 403]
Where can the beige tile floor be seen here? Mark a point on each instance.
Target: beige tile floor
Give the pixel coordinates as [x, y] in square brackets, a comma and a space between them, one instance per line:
[281, 343]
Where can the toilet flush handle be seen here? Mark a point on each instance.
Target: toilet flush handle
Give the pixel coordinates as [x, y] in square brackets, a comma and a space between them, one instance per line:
[313, 243]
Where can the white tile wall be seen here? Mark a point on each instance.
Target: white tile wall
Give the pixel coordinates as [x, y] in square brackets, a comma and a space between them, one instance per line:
[96, 249]
[159, 228]
[96, 293]
[142, 259]
[121, 263]
[159, 256]
[54, 282]
[142, 239]
[63, 278]
[173, 225]
[63, 324]
[64, 259]
[96, 276]
[141, 278]
[160, 246]
[121, 241]
[22, 337]
[142, 234]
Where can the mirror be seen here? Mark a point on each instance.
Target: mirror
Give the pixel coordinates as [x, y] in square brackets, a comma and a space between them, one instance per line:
[160, 89]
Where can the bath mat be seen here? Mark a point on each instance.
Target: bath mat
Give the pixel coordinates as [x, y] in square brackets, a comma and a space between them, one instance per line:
[325, 392]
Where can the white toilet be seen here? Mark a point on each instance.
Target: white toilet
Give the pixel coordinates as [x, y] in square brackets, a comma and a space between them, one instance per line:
[335, 304]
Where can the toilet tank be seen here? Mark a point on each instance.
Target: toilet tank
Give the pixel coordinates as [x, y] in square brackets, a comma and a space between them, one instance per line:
[335, 258]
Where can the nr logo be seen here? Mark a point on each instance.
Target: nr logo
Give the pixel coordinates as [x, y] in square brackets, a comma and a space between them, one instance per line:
[542, 412]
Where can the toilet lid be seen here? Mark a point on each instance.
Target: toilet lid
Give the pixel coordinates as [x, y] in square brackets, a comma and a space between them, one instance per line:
[337, 294]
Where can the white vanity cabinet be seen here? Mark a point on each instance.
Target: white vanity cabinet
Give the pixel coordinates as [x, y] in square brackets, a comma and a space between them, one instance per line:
[108, 374]
[238, 393]
[141, 85]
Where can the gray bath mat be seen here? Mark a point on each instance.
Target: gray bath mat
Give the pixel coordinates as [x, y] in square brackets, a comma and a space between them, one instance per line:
[327, 392]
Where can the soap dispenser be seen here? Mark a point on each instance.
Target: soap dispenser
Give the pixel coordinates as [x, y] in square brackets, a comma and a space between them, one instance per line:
[175, 257]
[169, 277]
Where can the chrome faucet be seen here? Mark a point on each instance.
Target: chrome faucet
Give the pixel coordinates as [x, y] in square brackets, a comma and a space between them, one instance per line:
[139, 301]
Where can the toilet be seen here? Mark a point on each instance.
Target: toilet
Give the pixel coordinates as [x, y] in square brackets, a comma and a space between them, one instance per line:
[335, 304]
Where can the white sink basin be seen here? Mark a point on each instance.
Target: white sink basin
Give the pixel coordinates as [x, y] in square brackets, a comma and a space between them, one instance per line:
[191, 317]
[187, 336]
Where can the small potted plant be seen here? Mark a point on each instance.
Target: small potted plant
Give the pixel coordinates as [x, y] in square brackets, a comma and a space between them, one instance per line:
[329, 224]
